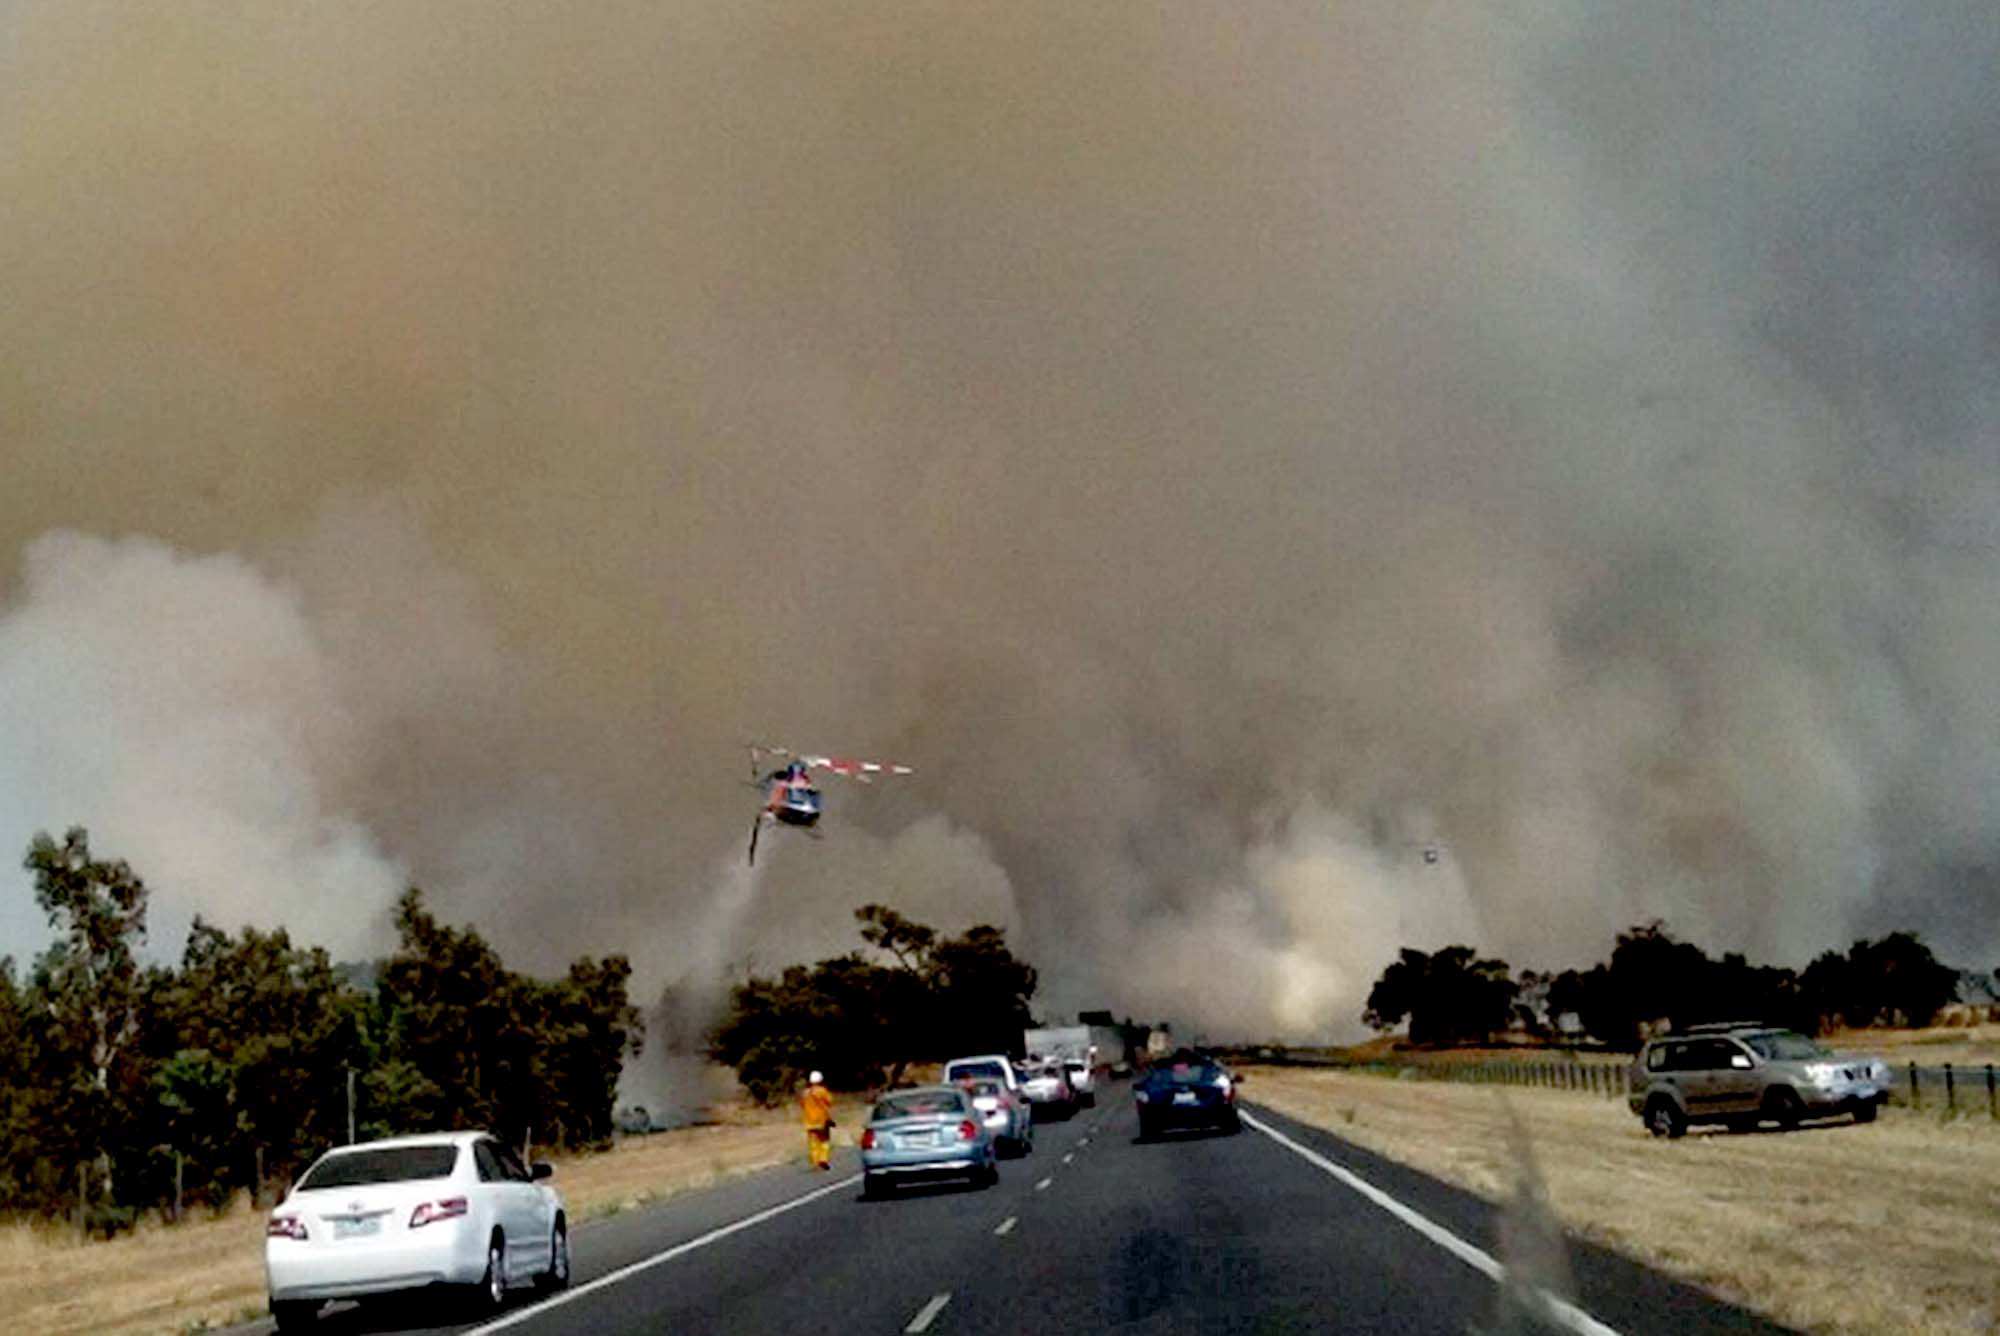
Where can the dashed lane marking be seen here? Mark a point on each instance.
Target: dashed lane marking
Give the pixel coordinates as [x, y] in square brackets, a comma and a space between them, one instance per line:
[625, 1272]
[1044, 1183]
[1067, 1158]
[1006, 1226]
[1568, 1315]
[922, 1321]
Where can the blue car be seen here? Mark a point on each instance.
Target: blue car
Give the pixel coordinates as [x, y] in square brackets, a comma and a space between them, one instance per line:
[1186, 1090]
[929, 1132]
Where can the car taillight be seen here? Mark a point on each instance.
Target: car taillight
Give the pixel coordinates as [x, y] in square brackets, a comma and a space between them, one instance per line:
[285, 1227]
[868, 1138]
[967, 1130]
[430, 1212]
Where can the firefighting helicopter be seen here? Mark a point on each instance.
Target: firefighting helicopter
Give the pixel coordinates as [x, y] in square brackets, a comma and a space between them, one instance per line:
[790, 796]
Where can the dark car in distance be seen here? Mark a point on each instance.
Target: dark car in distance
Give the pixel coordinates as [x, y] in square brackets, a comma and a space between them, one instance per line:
[1186, 1090]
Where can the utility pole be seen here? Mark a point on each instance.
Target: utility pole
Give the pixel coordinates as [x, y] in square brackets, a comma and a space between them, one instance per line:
[350, 1106]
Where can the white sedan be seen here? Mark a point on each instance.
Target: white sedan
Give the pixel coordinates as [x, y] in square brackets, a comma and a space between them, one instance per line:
[454, 1208]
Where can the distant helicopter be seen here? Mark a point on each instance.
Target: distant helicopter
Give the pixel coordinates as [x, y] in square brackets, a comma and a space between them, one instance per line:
[790, 796]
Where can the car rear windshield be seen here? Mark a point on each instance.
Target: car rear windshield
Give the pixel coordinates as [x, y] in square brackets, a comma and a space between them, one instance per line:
[1783, 1046]
[1189, 1073]
[962, 1070]
[920, 1102]
[389, 1164]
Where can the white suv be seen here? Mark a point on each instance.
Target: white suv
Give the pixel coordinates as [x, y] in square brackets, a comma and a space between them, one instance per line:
[456, 1208]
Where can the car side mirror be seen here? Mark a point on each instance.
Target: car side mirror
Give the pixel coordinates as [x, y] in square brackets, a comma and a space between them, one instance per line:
[1740, 1061]
[542, 1169]
[1236, 1077]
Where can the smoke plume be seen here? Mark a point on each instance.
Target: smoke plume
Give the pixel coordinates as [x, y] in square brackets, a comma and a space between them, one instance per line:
[1228, 452]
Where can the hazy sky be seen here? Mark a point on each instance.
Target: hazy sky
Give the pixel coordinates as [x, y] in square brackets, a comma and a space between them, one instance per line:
[1223, 448]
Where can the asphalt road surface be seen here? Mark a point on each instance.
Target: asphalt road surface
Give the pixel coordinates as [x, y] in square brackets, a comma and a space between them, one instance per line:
[1279, 1228]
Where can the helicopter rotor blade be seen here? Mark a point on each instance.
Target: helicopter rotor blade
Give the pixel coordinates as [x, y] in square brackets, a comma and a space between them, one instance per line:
[858, 770]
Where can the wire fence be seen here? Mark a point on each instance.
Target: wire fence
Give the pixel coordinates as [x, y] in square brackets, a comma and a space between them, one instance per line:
[1948, 1089]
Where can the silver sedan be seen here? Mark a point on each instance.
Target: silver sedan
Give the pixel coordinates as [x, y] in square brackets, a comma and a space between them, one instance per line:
[929, 1132]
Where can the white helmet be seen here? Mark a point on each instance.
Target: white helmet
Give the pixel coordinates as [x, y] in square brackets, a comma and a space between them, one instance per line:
[815, 1078]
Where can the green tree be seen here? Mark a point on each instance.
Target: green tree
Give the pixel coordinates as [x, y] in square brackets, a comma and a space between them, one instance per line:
[19, 1089]
[862, 1021]
[983, 991]
[282, 1028]
[1449, 997]
[455, 1039]
[1894, 981]
[589, 1028]
[89, 986]
[454, 1013]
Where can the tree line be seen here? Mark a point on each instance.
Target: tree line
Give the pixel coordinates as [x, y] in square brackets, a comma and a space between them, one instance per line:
[127, 1085]
[862, 1021]
[1454, 996]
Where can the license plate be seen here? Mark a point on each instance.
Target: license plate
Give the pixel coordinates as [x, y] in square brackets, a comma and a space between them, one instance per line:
[918, 1138]
[1185, 1097]
[354, 1229]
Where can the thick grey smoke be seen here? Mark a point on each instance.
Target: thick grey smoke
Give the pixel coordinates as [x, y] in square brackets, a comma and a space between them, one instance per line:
[1226, 451]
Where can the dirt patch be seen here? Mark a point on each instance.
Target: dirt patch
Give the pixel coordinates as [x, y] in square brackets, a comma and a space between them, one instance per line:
[1835, 1228]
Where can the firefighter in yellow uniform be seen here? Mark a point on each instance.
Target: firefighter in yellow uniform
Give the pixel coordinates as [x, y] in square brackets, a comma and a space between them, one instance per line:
[817, 1103]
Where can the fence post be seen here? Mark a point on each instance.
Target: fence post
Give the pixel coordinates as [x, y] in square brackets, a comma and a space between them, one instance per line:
[1992, 1110]
[1950, 1091]
[1916, 1090]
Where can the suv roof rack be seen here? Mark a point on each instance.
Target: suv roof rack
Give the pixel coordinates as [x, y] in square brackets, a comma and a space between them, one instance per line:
[1723, 1027]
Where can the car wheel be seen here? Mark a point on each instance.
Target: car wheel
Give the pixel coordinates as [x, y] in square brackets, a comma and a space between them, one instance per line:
[1233, 1124]
[1864, 1112]
[493, 1285]
[557, 1276]
[1782, 1106]
[989, 1177]
[1148, 1128]
[1663, 1119]
[295, 1314]
[873, 1188]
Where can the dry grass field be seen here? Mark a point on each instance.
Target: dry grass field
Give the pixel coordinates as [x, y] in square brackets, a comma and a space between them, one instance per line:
[210, 1272]
[1893, 1227]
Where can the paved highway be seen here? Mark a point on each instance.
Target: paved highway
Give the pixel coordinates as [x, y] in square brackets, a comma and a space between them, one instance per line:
[1280, 1228]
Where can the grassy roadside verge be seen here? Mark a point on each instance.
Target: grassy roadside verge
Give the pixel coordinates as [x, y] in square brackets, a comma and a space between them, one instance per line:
[210, 1272]
[1838, 1229]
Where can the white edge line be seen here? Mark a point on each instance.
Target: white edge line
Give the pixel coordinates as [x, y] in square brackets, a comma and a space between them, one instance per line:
[1569, 1314]
[922, 1321]
[633, 1269]
[1006, 1226]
